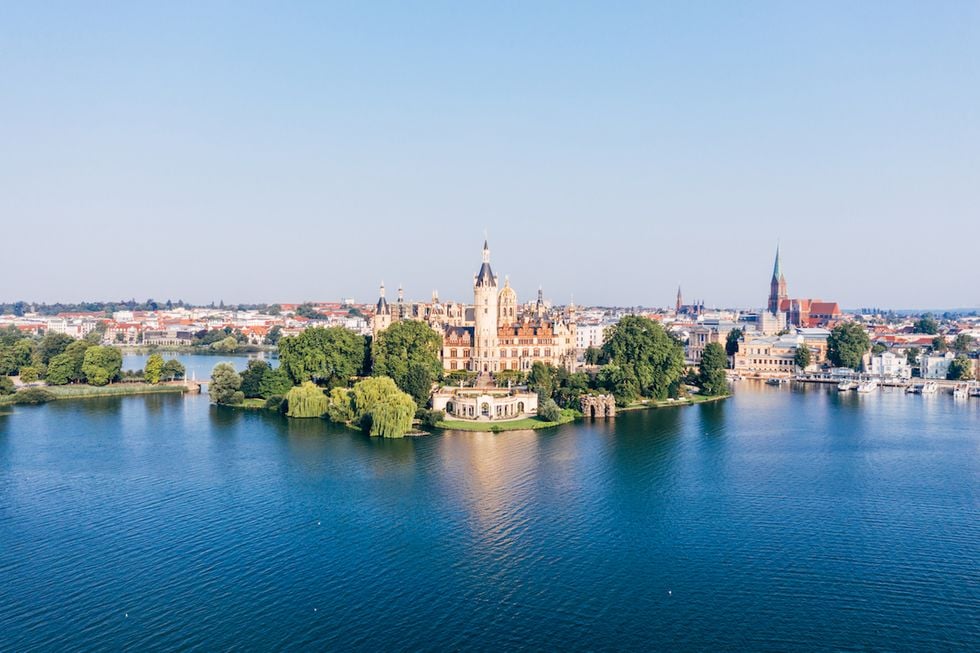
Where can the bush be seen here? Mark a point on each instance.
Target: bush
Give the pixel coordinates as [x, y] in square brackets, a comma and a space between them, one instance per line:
[6, 386]
[275, 402]
[549, 411]
[33, 396]
[431, 417]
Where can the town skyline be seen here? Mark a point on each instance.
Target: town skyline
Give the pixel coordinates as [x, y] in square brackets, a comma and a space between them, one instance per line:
[414, 293]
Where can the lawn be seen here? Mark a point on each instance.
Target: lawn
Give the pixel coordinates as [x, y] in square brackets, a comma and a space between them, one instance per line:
[528, 423]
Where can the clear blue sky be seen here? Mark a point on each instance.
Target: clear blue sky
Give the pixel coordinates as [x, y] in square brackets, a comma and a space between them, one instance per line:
[290, 151]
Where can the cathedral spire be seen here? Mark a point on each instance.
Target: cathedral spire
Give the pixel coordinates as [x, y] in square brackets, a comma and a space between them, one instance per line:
[777, 269]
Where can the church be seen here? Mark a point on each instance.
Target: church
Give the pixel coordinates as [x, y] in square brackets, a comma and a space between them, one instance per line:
[493, 334]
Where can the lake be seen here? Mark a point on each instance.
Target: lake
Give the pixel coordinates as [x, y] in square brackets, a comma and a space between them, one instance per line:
[781, 519]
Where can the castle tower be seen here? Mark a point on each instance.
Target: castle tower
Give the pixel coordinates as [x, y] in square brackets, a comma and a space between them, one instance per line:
[485, 347]
[507, 305]
[382, 313]
[539, 305]
[777, 286]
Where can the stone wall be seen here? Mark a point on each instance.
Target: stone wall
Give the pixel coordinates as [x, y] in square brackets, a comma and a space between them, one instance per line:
[598, 405]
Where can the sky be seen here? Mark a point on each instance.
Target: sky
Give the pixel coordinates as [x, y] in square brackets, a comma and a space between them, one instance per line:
[290, 151]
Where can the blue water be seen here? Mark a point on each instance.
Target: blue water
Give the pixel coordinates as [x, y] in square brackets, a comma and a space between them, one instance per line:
[782, 519]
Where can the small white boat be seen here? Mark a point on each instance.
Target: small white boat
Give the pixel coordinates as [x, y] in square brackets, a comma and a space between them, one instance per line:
[930, 388]
[773, 381]
[845, 385]
[974, 390]
[961, 391]
[867, 386]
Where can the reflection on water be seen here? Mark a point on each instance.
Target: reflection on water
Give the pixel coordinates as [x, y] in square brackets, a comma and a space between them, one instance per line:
[780, 518]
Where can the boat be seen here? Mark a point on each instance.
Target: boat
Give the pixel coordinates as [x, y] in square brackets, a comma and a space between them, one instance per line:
[914, 389]
[974, 390]
[846, 385]
[961, 391]
[930, 388]
[773, 381]
[867, 386]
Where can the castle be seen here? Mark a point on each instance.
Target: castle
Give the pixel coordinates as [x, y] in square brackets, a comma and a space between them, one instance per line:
[493, 334]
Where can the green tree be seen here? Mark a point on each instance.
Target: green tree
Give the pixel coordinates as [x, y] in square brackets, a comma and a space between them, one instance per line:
[963, 343]
[29, 374]
[570, 388]
[153, 369]
[592, 355]
[9, 335]
[731, 341]
[418, 383]
[228, 344]
[542, 380]
[275, 382]
[225, 384]
[912, 355]
[549, 411]
[101, 365]
[76, 351]
[327, 356]
[926, 324]
[61, 370]
[802, 357]
[6, 386]
[172, 370]
[648, 359]
[408, 346]
[252, 377]
[620, 381]
[847, 344]
[878, 348]
[52, 344]
[960, 369]
[274, 336]
[939, 345]
[711, 373]
[306, 400]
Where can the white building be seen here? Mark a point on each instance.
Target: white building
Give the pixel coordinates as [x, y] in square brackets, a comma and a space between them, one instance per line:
[889, 365]
[589, 335]
[935, 366]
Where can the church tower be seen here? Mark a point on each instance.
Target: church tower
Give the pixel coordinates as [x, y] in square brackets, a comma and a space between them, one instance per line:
[382, 313]
[777, 286]
[680, 301]
[485, 347]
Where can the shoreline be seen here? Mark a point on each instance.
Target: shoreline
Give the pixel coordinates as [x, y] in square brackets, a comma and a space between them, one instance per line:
[82, 391]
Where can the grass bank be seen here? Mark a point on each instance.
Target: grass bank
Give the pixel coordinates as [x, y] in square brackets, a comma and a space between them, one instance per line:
[79, 391]
[666, 403]
[528, 423]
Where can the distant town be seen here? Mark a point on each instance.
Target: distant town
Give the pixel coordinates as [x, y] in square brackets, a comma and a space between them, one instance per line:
[764, 342]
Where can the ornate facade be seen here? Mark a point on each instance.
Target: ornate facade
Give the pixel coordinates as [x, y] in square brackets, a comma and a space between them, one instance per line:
[494, 333]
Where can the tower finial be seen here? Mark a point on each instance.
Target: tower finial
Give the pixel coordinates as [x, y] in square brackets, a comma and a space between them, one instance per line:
[382, 287]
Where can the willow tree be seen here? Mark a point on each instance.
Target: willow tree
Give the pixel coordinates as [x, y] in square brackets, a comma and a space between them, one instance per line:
[306, 400]
[376, 405]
